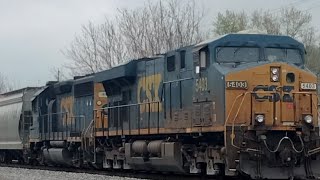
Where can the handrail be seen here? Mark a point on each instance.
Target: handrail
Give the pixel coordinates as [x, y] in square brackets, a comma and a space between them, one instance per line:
[89, 126]
[127, 105]
[233, 122]
[72, 124]
[243, 95]
[75, 123]
[83, 137]
[177, 80]
[233, 136]
[43, 115]
[150, 110]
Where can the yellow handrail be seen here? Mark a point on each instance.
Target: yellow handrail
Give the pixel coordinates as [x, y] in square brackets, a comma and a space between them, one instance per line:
[233, 122]
[237, 113]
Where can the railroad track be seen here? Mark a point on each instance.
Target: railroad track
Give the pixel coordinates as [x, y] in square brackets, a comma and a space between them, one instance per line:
[128, 174]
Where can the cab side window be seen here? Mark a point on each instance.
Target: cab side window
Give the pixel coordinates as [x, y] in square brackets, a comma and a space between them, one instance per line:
[171, 63]
[182, 59]
[204, 58]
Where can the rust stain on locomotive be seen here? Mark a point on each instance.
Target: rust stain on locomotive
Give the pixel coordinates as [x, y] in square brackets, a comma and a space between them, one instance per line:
[100, 102]
[66, 106]
[149, 91]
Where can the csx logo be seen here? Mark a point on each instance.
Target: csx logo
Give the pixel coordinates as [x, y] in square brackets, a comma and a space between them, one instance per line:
[274, 97]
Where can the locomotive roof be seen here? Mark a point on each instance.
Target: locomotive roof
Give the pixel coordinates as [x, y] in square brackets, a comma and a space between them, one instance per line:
[84, 79]
[63, 83]
[128, 68]
[260, 40]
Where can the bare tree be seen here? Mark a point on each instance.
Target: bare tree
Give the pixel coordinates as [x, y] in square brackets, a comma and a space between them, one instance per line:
[111, 48]
[265, 21]
[290, 21]
[83, 51]
[153, 29]
[294, 22]
[5, 85]
[160, 27]
[230, 22]
[297, 24]
[98, 47]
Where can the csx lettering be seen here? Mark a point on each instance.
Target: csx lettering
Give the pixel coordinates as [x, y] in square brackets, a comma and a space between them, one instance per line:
[201, 84]
[275, 96]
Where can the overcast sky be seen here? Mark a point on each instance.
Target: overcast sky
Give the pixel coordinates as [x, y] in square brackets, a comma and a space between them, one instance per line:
[33, 32]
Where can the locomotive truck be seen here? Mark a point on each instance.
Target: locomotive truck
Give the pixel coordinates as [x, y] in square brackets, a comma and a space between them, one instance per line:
[237, 104]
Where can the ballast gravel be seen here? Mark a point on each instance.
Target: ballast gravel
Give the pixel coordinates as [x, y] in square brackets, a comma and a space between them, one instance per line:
[8, 173]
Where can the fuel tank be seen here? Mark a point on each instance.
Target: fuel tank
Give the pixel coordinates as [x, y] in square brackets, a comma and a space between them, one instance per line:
[58, 156]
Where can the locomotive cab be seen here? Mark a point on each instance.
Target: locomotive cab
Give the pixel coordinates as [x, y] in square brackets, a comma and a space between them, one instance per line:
[271, 120]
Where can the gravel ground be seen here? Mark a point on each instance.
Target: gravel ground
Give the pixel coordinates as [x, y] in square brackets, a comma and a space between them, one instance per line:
[7, 173]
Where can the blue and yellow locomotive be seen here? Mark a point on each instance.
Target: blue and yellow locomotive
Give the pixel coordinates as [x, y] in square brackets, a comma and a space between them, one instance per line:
[238, 104]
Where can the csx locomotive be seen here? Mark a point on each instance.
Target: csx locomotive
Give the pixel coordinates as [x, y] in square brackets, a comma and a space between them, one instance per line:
[238, 104]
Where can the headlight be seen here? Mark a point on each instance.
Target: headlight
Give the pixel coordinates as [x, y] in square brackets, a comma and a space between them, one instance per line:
[275, 71]
[308, 119]
[274, 74]
[260, 118]
[275, 77]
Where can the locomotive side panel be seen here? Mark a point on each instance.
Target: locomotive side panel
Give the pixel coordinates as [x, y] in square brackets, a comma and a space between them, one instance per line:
[208, 93]
[40, 104]
[115, 91]
[149, 87]
[100, 102]
[83, 106]
[62, 119]
[177, 90]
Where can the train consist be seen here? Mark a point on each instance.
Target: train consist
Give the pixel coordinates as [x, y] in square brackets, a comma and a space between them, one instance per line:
[238, 104]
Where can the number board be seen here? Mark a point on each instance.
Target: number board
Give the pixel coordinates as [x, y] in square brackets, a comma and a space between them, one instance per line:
[308, 86]
[237, 85]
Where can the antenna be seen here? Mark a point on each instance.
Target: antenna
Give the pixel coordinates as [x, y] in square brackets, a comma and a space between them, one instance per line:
[58, 78]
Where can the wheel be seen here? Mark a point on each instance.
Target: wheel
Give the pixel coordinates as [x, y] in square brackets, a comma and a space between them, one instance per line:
[77, 160]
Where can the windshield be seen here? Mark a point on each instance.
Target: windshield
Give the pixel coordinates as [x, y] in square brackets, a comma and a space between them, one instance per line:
[281, 54]
[237, 54]
[251, 54]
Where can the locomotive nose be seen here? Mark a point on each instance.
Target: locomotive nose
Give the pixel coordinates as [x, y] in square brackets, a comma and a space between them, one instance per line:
[285, 97]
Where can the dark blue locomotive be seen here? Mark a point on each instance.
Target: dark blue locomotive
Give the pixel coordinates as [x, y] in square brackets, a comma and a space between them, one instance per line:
[240, 103]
